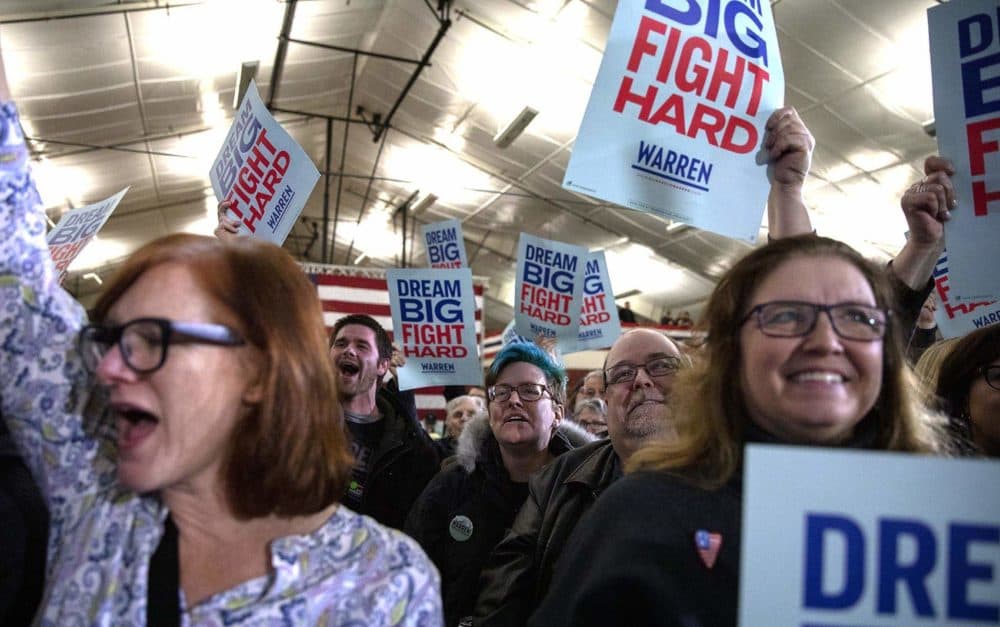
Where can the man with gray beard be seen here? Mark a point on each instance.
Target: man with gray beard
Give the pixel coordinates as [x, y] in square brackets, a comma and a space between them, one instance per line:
[638, 374]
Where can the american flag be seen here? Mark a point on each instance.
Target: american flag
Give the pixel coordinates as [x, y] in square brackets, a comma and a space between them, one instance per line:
[347, 290]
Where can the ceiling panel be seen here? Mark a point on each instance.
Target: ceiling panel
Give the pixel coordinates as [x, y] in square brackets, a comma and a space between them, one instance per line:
[157, 86]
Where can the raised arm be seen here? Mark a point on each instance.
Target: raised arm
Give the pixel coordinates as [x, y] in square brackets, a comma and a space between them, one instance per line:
[42, 385]
[789, 146]
[927, 205]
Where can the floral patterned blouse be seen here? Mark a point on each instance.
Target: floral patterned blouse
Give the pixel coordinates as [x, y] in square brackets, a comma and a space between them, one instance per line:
[351, 571]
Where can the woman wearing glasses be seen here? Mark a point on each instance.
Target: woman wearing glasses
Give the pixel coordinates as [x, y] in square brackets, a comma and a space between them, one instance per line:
[465, 510]
[189, 442]
[801, 349]
[968, 389]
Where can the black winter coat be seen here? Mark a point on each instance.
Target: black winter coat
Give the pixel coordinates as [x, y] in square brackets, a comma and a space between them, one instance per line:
[401, 466]
[520, 569]
[466, 510]
[633, 560]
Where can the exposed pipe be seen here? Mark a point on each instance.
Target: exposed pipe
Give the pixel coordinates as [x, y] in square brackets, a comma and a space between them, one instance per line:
[377, 55]
[326, 186]
[368, 189]
[445, 24]
[343, 160]
[69, 14]
[279, 54]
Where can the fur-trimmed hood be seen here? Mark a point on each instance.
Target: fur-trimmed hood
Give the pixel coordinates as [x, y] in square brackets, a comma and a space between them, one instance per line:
[477, 430]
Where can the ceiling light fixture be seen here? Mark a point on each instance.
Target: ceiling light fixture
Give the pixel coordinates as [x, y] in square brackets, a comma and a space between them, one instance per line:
[425, 201]
[515, 127]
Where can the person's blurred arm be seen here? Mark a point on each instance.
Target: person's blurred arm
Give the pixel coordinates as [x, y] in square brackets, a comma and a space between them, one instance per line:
[789, 146]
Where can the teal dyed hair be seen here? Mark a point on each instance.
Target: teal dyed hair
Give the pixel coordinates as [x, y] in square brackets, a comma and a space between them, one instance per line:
[555, 374]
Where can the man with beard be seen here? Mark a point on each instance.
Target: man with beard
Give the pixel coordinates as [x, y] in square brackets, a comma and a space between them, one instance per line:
[394, 457]
[638, 375]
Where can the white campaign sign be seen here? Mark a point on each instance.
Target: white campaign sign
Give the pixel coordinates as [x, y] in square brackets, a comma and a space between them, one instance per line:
[599, 323]
[859, 538]
[965, 61]
[548, 290]
[675, 121]
[77, 228]
[434, 322]
[445, 244]
[956, 317]
[261, 169]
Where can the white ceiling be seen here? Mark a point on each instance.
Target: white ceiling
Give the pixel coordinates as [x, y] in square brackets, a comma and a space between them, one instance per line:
[137, 93]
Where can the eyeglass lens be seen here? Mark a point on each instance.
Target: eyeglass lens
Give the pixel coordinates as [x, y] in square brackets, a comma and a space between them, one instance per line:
[791, 319]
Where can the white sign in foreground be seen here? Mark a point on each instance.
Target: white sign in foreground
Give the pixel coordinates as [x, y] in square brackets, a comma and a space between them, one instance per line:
[76, 228]
[260, 168]
[675, 121]
[859, 538]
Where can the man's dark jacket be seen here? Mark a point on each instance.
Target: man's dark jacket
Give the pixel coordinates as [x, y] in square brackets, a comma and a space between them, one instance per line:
[521, 567]
[402, 463]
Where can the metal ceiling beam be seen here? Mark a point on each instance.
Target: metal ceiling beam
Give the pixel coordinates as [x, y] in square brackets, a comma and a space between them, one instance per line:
[68, 14]
[280, 53]
[444, 23]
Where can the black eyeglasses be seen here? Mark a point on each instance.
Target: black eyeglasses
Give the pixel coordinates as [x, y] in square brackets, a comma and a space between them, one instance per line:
[627, 372]
[527, 392]
[143, 342]
[791, 318]
[992, 376]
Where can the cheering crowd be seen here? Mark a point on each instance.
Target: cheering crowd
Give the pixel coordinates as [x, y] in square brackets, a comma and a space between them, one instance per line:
[201, 451]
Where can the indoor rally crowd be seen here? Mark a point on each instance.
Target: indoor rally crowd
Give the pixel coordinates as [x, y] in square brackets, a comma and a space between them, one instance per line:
[196, 449]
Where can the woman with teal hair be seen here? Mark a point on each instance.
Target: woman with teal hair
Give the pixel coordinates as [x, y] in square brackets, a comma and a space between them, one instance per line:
[465, 510]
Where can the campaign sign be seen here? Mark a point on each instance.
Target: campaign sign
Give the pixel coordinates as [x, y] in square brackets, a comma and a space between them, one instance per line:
[434, 322]
[965, 62]
[510, 336]
[76, 228]
[675, 121]
[956, 317]
[599, 324]
[859, 538]
[445, 244]
[261, 169]
[548, 289]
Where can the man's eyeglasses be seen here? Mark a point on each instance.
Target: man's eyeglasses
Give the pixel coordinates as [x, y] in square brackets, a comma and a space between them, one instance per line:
[790, 318]
[992, 376]
[527, 392]
[626, 373]
[143, 342]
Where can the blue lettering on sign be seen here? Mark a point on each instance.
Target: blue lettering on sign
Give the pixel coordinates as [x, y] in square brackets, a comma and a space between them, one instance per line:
[749, 42]
[443, 252]
[817, 526]
[430, 310]
[976, 34]
[673, 166]
[891, 571]
[544, 276]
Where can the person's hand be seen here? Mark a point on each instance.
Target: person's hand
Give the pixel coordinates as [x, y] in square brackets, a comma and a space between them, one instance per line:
[548, 344]
[396, 360]
[926, 318]
[789, 146]
[927, 204]
[228, 227]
